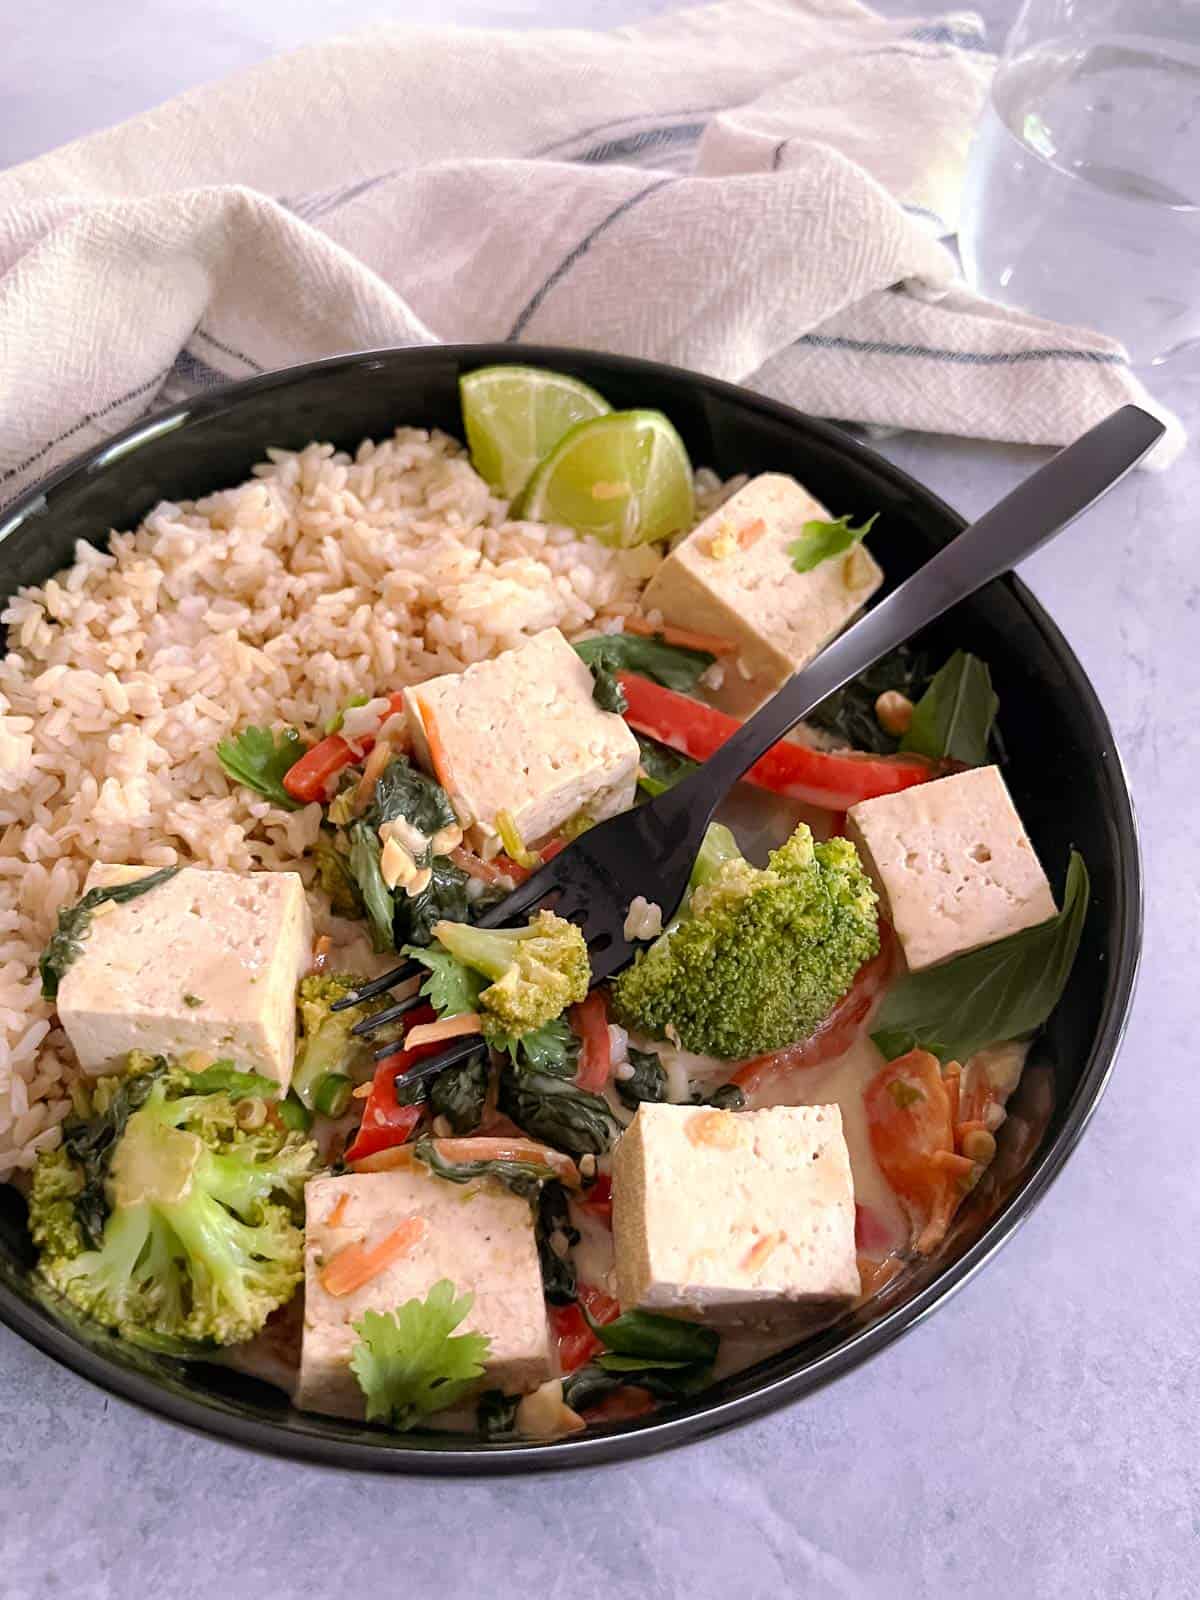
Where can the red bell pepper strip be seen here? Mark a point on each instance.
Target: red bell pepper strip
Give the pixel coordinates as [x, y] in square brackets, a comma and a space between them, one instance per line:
[839, 1030]
[589, 1021]
[597, 1198]
[832, 779]
[384, 1123]
[577, 1344]
[310, 778]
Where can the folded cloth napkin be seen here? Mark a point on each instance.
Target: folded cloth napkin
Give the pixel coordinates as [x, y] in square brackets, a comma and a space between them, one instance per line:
[756, 188]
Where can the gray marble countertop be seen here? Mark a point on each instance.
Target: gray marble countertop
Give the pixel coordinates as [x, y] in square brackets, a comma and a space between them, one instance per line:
[1036, 1437]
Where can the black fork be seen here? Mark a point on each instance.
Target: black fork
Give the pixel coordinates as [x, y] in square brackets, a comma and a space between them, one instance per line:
[650, 851]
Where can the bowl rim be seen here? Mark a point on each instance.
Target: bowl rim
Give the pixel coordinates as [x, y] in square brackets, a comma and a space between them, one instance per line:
[639, 1438]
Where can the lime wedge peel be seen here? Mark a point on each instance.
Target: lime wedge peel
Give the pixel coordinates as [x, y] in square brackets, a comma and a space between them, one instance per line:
[624, 478]
[514, 417]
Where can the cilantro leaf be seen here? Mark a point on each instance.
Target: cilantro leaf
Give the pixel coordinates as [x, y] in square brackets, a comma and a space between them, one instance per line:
[551, 1048]
[819, 541]
[1003, 991]
[75, 923]
[451, 988]
[257, 758]
[953, 719]
[409, 1362]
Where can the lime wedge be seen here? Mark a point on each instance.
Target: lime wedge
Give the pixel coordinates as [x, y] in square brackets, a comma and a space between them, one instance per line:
[624, 479]
[514, 416]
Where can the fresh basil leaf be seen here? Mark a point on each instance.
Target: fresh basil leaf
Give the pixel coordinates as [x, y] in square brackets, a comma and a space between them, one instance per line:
[953, 718]
[649, 1080]
[75, 923]
[654, 1338]
[558, 1112]
[661, 768]
[615, 1363]
[558, 1272]
[451, 988]
[377, 897]
[1003, 991]
[459, 1092]
[820, 541]
[669, 664]
[259, 759]
[850, 712]
[403, 791]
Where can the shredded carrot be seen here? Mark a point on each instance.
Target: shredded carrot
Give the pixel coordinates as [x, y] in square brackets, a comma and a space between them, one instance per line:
[759, 1252]
[321, 953]
[962, 1129]
[503, 1149]
[437, 747]
[357, 1264]
[371, 774]
[751, 532]
[685, 638]
[334, 1219]
[447, 1028]
[396, 1156]
[488, 871]
[952, 1078]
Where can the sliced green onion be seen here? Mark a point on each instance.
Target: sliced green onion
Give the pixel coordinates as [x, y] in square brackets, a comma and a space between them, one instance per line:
[294, 1114]
[334, 725]
[331, 1097]
[514, 845]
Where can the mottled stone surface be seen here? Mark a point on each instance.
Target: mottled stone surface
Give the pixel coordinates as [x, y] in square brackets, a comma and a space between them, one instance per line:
[1037, 1437]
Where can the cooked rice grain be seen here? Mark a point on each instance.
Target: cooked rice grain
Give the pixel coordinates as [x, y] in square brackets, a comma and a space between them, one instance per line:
[323, 577]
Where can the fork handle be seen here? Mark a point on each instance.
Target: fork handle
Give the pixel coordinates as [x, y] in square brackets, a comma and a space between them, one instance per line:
[1036, 510]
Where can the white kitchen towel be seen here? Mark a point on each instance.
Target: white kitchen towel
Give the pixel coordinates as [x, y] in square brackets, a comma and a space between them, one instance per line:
[756, 188]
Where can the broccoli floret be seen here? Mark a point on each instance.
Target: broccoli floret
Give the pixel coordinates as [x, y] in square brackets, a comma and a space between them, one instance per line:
[199, 1240]
[760, 956]
[536, 971]
[325, 1042]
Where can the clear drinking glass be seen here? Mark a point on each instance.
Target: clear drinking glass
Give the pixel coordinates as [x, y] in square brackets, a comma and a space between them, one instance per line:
[1082, 200]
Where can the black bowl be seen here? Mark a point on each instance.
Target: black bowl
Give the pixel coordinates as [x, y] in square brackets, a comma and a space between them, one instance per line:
[1063, 769]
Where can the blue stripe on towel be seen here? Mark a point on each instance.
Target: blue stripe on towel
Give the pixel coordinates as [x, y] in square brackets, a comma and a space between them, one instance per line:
[969, 358]
[580, 250]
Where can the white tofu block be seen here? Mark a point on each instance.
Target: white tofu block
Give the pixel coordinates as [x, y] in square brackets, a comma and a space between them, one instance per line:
[478, 1235]
[521, 733]
[206, 961]
[732, 576]
[742, 1218]
[954, 865]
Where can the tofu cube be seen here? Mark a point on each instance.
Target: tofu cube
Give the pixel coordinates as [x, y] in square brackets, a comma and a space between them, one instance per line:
[478, 1235]
[732, 576]
[953, 864]
[206, 961]
[521, 733]
[742, 1218]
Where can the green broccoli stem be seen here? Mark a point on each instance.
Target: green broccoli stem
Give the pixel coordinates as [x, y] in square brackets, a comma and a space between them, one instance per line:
[491, 951]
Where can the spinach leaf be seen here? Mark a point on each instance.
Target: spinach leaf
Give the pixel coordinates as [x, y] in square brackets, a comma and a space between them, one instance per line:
[819, 541]
[660, 768]
[850, 712]
[522, 1177]
[90, 1142]
[224, 1078]
[558, 1272]
[1003, 991]
[377, 897]
[653, 1338]
[496, 1414]
[403, 791]
[953, 718]
[649, 1081]
[75, 922]
[551, 1048]
[556, 1111]
[443, 899]
[458, 1093]
[258, 759]
[451, 988]
[668, 664]
[728, 1097]
[335, 876]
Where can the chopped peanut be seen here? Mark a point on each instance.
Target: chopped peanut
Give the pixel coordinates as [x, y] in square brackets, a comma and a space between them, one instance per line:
[396, 865]
[894, 712]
